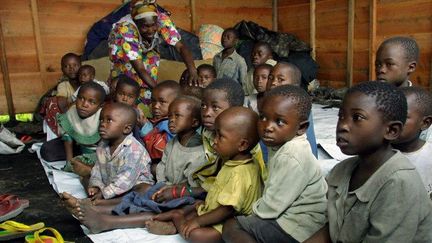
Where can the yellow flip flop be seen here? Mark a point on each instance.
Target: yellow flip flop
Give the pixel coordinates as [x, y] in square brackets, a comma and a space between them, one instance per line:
[37, 238]
[13, 229]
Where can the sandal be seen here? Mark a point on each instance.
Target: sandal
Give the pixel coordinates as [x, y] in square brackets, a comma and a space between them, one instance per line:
[12, 230]
[11, 206]
[37, 238]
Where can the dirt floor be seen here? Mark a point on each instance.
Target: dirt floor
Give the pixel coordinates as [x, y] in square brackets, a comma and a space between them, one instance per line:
[23, 175]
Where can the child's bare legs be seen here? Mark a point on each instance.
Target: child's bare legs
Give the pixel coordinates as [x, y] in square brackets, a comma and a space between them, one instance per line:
[140, 188]
[96, 221]
[232, 232]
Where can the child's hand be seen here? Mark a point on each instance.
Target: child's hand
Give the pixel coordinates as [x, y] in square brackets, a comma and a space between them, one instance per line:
[189, 226]
[164, 194]
[94, 193]
[141, 119]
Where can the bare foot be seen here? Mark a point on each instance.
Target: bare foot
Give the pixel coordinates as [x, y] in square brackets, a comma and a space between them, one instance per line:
[161, 228]
[70, 202]
[80, 168]
[90, 217]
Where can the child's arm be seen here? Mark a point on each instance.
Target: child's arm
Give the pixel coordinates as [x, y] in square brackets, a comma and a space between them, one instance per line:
[68, 145]
[216, 216]
[242, 72]
[166, 193]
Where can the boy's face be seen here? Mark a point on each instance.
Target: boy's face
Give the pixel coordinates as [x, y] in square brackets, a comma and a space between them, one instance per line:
[180, 117]
[414, 122]
[260, 79]
[214, 102]
[360, 129]
[70, 66]
[206, 77]
[279, 121]
[126, 94]
[112, 124]
[160, 101]
[260, 55]
[88, 102]
[392, 66]
[280, 75]
[229, 39]
[226, 141]
[85, 75]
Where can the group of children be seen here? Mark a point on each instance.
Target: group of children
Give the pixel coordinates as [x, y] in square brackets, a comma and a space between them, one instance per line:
[215, 165]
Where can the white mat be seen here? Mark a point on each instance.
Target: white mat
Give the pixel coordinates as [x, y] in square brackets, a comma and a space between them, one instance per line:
[69, 182]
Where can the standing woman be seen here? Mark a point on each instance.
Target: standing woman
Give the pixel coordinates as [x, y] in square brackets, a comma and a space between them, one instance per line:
[133, 46]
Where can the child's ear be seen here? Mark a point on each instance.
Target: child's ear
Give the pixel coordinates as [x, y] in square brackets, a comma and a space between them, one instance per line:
[243, 145]
[394, 130]
[127, 129]
[303, 126]
[195, 123]
[426, 123]
[412, 67]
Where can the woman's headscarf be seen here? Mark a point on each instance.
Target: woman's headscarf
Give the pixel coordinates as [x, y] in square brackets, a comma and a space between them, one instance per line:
[143, 9]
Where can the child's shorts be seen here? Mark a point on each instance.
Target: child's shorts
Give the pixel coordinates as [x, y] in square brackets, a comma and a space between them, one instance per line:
[264, 230]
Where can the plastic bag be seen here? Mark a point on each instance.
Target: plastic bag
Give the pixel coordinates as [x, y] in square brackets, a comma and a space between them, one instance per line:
[9, 144]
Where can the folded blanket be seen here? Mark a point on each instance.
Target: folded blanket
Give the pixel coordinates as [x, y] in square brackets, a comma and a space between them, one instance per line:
[134, 202]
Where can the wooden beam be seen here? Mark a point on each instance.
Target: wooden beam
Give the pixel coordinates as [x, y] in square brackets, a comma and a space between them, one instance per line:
[193, 15]
[275, 15]
[350, 48]
[38, 40]
[312, 26]
[372, 38]
[6, 78]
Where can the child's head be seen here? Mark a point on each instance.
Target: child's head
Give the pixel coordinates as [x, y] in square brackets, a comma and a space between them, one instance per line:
[372, 115]
[70, 63]
[261, 77]
[194, 91]
[127, 90]
[184, 78]
[284, 114]
[230, 38]
[261, 53]
[206, 74]
[419, 116]
[236, 132]
[162, 96]
[90, 98]
[219, 96]
[284, 73]
[117, 120]
[86, 73]
[396, 59]
[184, 115]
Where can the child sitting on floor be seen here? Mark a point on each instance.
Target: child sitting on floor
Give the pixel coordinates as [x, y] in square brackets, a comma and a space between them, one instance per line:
[122, 162]
[236, 186]
[419, 118]
[376, 196]
[285, 73]
[86, 73]
[261, 54]
[184, 153]
[228, 63]
[155, 132]
[206, 74]
[396, 59]
[293, 205]
[218, 96]
[79, 127]
[66, 86]
[260, 79]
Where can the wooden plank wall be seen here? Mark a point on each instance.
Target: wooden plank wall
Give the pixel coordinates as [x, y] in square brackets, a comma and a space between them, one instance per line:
[393, 17]
[63, 25]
